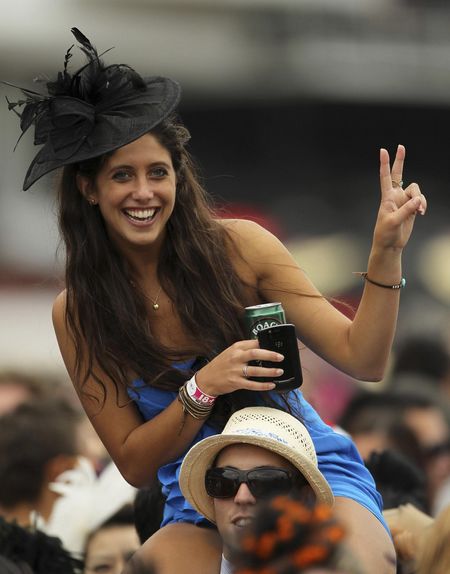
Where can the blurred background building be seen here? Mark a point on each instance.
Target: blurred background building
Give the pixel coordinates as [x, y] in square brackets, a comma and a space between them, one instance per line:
[288, 103]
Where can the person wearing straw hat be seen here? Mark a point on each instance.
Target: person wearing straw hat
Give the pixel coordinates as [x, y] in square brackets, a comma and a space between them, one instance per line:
[262, 452]
[150, 323]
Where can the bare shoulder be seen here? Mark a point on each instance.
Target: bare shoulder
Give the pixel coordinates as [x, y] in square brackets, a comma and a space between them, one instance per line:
[251, 238]
[262, 250]
[243, 228]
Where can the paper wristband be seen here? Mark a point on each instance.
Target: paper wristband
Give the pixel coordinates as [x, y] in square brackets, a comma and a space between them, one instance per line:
[197, 394]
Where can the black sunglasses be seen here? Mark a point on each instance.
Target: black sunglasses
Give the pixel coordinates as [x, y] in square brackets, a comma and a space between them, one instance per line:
[263, 482]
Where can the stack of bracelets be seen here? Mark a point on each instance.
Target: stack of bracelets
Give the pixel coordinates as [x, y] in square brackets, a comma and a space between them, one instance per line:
[194, 401]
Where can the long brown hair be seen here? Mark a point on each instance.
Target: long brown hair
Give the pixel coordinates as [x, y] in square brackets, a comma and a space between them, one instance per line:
[106, 313]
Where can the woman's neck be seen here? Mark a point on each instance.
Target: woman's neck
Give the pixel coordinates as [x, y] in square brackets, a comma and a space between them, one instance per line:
[142, 259]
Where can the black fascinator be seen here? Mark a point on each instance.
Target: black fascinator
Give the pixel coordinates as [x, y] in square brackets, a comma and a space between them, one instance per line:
[93, 111]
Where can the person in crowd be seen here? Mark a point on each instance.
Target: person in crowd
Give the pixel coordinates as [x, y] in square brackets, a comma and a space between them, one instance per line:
[17, 387]
[262, 452]
[150, 324]
[374, 421]
[38, 442]
[31, 551]
[410, 422]
[425, 417]
[111, 545]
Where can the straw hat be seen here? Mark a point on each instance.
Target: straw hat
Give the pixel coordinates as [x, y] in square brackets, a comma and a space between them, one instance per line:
[272, 429]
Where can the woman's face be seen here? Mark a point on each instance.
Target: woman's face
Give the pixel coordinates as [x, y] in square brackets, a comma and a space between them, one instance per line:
[135, 190]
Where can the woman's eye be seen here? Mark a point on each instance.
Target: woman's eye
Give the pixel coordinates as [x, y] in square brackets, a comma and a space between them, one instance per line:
[121, 176]
[159, 172]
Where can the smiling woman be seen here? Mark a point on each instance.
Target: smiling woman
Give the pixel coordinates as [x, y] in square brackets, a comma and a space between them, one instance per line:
[151, 323]
[134, 190]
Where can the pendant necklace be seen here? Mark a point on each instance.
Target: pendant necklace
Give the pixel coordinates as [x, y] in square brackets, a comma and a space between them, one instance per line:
[155, 304]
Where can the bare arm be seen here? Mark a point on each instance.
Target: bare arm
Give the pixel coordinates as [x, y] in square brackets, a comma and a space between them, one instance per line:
[360, 347]
[140, 448]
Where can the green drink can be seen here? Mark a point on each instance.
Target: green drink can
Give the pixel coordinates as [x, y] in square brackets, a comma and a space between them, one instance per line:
[260, 317]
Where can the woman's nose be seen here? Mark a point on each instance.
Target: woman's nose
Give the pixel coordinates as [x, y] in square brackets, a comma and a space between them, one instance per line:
[143, 189]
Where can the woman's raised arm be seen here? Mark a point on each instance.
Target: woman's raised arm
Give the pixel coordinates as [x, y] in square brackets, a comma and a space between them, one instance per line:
[360, 347]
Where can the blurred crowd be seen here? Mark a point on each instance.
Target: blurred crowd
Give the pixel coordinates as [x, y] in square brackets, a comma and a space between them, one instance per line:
[65, 508]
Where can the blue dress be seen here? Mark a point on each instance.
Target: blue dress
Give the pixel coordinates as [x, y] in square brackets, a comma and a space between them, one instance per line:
[338, 458]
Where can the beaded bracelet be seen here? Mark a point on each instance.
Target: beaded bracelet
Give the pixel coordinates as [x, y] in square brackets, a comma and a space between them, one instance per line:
[400, 285]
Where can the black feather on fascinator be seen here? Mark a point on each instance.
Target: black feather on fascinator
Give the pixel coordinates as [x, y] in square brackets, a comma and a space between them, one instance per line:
[33, 552]
[93, 111]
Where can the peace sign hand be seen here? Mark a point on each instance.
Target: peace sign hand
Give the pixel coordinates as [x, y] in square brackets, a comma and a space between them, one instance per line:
[398, 206]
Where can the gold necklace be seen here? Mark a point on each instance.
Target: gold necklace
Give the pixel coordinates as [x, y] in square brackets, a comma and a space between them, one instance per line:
[155, 304]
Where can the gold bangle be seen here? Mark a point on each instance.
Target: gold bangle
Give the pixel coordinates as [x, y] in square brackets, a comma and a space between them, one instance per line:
[396, 286]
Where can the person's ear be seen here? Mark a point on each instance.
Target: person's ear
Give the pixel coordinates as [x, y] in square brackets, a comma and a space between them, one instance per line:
[86, 188]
